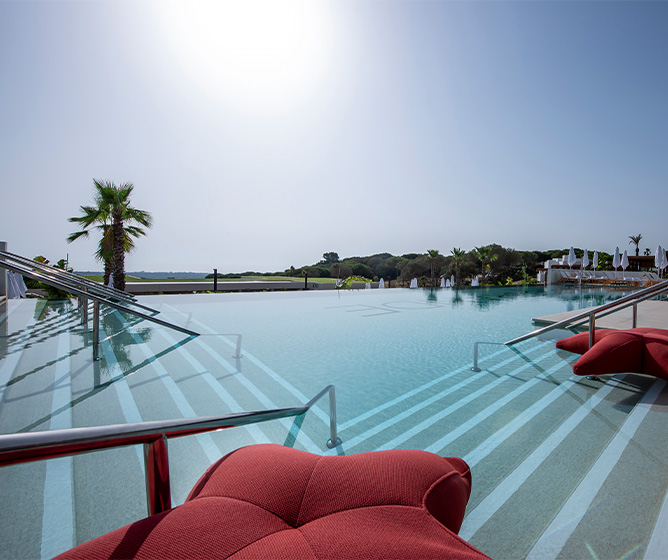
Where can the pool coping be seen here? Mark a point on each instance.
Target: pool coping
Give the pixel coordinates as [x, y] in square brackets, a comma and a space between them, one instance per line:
[653, 314]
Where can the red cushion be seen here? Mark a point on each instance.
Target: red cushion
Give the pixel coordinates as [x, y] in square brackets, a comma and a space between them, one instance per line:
[579, 343]
[617, 352]
[655, 359]
[269, 501]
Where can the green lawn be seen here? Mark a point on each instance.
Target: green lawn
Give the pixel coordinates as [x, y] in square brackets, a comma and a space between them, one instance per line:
[245, 278]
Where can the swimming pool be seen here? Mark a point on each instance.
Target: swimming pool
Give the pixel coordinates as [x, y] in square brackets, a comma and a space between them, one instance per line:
[400, 361]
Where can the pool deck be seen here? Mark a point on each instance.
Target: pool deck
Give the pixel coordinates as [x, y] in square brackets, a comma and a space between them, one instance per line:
[652, 314]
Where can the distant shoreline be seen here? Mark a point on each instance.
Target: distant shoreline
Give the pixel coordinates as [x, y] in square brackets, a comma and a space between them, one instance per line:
[151, 275]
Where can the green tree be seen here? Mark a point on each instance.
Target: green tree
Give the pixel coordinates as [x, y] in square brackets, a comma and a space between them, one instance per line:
[330, 258]
[97, 217]
[115, 218]
[458, 255]
[123, 215]
[432, 254]
[635, 240]
[113, 205]
[484, 255]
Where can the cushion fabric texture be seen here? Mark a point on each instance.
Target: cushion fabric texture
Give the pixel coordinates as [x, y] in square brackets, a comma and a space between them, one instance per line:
[579, 343]
[270, 501]
[643, 350]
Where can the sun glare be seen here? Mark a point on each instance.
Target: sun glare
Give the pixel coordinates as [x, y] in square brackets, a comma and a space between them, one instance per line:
[260, 56]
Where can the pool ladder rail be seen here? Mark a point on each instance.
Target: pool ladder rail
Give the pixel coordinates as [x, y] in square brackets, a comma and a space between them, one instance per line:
[588, 315]
[85, 289]
[36, 446]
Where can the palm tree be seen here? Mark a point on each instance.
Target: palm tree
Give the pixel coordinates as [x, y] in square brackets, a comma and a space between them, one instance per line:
[458, 256]
[635, 240]
[484, 255]
[99, 218]
[117, 199]
[432, 254]
[113, 215]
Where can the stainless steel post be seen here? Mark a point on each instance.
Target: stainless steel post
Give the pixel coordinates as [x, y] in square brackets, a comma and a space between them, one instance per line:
[157, 475]
[96, 330]
[334, 439]
[592, 328]
[238, 351]
[635, 314]
[475, 357]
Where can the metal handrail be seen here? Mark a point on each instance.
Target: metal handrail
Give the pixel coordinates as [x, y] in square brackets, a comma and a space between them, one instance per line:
[36, 446]
[74, 280]
[96, 298]
[65, 273]
[590, 314]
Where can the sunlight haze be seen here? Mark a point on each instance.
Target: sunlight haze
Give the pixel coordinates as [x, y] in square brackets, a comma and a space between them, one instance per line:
[262, 134]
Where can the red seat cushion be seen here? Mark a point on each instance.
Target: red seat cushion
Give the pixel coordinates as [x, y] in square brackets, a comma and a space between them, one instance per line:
[655, 358]
[579, 343]
[617, 352]
[269, 501]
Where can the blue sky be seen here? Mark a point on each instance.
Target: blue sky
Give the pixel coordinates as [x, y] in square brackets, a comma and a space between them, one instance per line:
[261, 137]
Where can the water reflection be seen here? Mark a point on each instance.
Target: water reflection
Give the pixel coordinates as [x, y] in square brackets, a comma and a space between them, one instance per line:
[121, 339]
[486, 297]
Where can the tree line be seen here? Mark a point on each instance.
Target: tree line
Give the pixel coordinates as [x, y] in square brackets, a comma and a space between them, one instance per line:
[493, 264]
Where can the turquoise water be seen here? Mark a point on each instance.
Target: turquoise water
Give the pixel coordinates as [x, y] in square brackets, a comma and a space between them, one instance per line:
[373, 343]
[400, 361]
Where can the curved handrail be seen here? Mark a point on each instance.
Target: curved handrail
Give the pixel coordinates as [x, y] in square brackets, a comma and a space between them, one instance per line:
[587, 315]
[65, 274]
[36, 446]
[70, 279]
[97, 298]
[621, 303]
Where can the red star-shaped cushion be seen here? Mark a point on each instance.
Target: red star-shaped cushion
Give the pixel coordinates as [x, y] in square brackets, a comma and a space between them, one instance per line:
[617, 352]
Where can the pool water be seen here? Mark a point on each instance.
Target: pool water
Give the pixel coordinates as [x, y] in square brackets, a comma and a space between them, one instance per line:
[400, 360]
[371, 344]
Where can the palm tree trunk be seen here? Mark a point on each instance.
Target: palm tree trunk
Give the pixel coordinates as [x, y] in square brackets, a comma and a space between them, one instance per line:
[107, 252]
[119, 252]
[108, 269]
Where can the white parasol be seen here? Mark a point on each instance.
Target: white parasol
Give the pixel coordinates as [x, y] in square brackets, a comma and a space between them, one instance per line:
[658, 259]
[585, 263]
[625, 261]
[616, 260]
